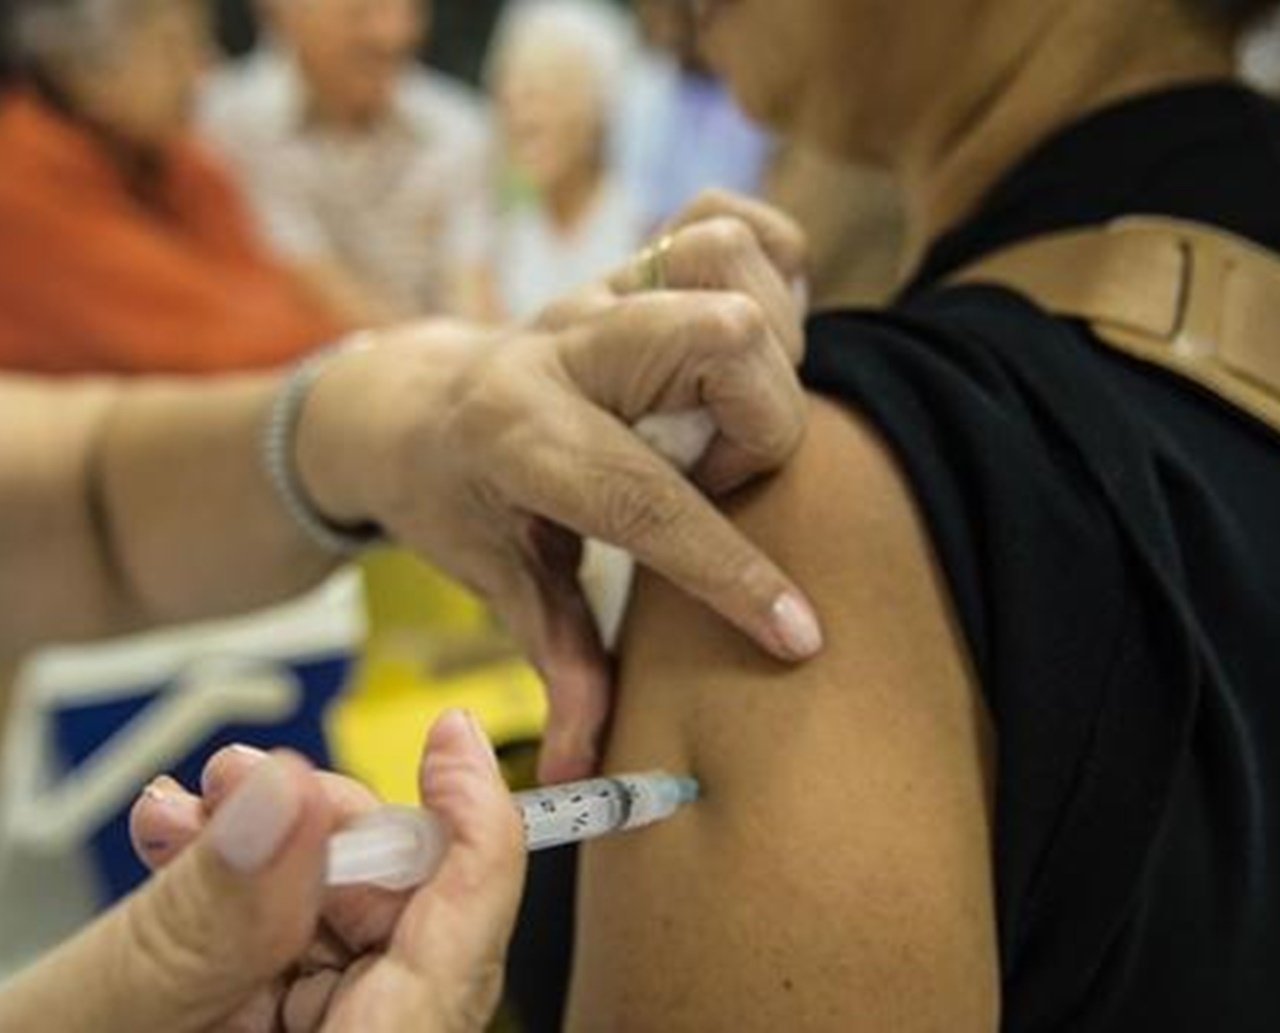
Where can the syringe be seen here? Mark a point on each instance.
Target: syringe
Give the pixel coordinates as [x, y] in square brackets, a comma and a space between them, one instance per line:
[398, 848]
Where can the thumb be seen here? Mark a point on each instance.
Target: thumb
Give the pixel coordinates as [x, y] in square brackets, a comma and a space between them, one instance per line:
[456, 928]
[219, 923]
[443, 966]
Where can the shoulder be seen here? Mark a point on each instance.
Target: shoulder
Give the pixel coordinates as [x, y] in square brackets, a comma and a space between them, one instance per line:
[847, 807]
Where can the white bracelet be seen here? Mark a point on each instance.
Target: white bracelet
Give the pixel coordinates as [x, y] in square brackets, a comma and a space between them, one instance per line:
[279, 448]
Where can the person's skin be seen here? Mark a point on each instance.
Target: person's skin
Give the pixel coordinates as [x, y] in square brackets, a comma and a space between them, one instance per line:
[351, 52]
[489, 452]
[838, 874]
[552, 115]
[884, 83]
[140, 90]
[237, 933]
[671, 26]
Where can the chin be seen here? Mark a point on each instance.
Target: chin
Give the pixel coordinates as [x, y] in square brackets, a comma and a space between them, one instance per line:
[762, 89]
[762, 98]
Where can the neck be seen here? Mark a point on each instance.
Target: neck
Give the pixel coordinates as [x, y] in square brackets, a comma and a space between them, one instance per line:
[340, 116]
[341, 121]
[1092, 54]
[570, 198]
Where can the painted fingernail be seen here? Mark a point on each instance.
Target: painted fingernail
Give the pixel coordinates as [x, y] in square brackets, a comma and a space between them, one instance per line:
[254, 823]
[796, 626]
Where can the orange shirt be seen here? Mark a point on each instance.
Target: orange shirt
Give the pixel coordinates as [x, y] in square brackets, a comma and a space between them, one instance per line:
[94, 279]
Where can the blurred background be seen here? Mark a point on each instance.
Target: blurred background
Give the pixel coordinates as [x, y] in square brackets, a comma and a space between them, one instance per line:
[456, 45]
[194, 189]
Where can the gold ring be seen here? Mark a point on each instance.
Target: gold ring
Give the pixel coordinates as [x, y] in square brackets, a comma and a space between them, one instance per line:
[652, 264]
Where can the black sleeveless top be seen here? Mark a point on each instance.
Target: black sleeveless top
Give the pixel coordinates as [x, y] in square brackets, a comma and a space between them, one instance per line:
[1111, 539]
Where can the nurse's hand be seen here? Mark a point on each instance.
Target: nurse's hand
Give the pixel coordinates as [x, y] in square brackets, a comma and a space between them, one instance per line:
[495, 453]
[235, 933]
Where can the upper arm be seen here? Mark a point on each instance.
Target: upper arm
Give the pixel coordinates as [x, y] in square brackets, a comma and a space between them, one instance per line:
[838, 873]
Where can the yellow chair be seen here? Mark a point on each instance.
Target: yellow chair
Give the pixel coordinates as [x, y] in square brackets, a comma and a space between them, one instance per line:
[431, 646]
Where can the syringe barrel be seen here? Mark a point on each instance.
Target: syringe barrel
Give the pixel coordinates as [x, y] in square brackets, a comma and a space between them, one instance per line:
[579, 811]
[558, 815]
[401, 847]
[395, 848]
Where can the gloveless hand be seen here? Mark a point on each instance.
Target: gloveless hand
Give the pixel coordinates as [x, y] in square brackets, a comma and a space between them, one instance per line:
[237, 933]
[494, 454]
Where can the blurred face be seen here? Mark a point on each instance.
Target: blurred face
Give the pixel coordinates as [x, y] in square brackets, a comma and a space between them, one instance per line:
[669, 25]
[352, 51]
[551, 114]
[851, 76]
[143, 88]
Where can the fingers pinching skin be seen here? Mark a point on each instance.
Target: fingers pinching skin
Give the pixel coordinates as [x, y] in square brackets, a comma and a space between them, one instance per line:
[779, 235]
[619, 491]
[709, 350]
[720, 254]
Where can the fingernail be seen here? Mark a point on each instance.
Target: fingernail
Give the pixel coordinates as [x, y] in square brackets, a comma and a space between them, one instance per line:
[800, 292]
[254, 823]
[481, 737]
[160, 790]
[213, 775]
[796, 626]
[463, 725]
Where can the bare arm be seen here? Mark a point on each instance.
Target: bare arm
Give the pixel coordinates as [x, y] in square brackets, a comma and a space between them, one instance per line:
[490, 452]
[838, 873]
[128, 506]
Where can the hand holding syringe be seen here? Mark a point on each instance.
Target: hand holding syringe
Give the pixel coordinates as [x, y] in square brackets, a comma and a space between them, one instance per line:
[401, 847]
[398, 848]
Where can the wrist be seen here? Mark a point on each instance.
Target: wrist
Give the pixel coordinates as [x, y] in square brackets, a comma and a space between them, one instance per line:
[328, 451]
[371, 420]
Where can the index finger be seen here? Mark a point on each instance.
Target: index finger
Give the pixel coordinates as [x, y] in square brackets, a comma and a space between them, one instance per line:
[361, 916]
[620, 491]
[779, 235]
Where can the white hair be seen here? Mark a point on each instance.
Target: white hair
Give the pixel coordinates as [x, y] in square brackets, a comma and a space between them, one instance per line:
[596, 29]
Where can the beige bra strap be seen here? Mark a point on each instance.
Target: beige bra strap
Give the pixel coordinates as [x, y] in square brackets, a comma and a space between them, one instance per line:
[1194, 300]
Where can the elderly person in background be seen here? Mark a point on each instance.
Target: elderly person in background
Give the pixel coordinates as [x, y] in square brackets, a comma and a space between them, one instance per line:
[368, 171]
[126, 248]
[555, 70]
